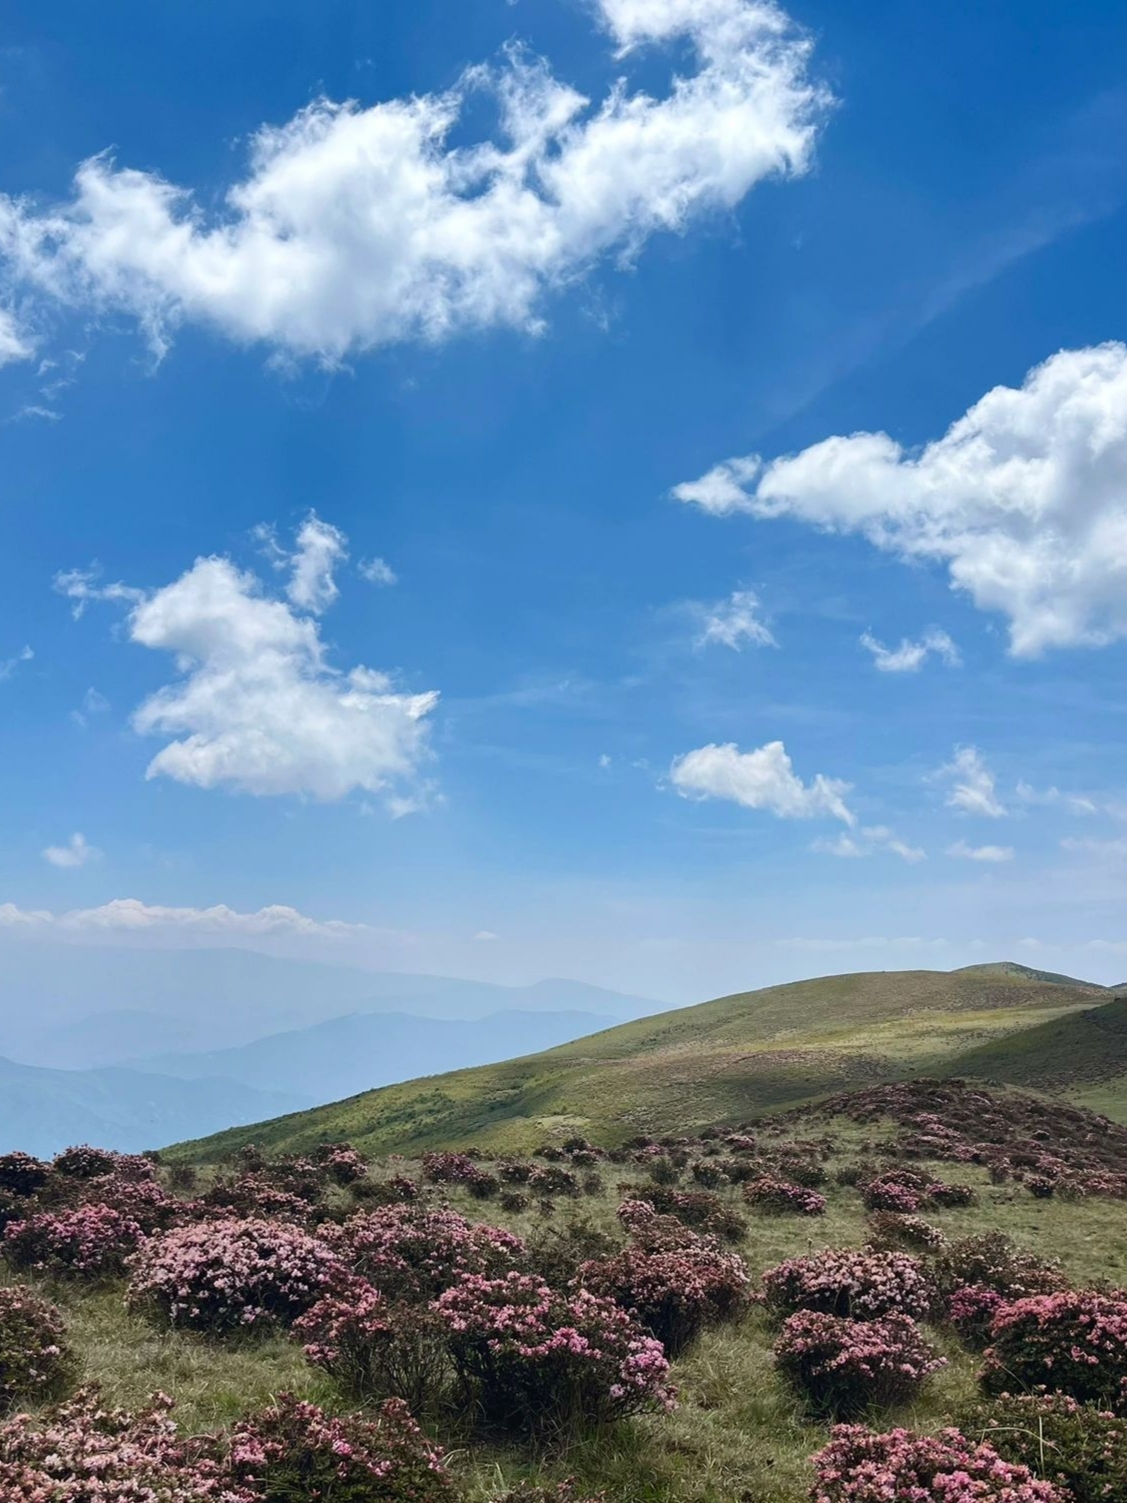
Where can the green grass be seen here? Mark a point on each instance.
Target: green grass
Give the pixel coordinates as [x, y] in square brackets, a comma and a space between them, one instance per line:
[723, 1061]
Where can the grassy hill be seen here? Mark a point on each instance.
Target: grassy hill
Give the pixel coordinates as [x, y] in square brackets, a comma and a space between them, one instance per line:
[1083, 1054]
[720, 1061]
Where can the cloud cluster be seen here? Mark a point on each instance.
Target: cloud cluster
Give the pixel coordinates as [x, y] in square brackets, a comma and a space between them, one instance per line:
[1023, 499]
[735, 623]
[13, 345]
[867, 842]
[974, 787]
[355, 227]
[256, 706]
[988, 853]
[910, 656]
[761, 779]
[130, 915]
[76, 852]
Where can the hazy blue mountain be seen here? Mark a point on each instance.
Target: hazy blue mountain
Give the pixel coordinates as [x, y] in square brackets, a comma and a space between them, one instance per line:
[85, 1006]
[43, 1110]
[346, 1055]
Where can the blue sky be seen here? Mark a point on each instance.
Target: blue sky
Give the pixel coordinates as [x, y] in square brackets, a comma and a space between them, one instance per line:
[512, 356]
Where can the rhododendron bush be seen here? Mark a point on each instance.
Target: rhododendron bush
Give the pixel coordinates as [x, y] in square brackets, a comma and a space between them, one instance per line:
[779, 1197]
[1072, 1342]
[414, 1252]
[993, 1261]
[21, 1174]
[223, 1276]
[295, 1453]
[534, 1359]
[844, 1281]
[674, 1292]
[843, 1367]
[375, 1349]
[861, 1466]
[35, 1361]
[1079, 1447]
[91, 1242]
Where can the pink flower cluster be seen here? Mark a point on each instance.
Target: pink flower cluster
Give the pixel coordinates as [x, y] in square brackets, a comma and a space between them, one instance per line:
[862, 1466]
[294, 1452]
[779, 1197]
[376, 1350]
[844, 1367]
[674, 1292]
[35, 1361]
[1072, 1342]
[84, 1162]
[343, 1165]
[229, 1275]
[537, 1359]
[449, 1168]
[413, 1253]
[844, 1281]
[91, 1242]
[971, 1310]
[20, 1174]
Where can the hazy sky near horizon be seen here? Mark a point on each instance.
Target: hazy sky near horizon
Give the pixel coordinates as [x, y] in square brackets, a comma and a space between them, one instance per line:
[627, 489]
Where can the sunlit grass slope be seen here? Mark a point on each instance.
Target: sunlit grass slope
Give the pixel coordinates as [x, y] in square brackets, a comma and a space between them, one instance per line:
[721, 1061]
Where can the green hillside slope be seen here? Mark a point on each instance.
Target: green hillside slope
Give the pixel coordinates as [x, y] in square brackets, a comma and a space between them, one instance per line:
[1083, 1054]
[720, 1061]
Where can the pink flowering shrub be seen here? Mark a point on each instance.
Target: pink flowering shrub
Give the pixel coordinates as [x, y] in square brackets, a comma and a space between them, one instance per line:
[448, 1168]
[83, 1452]
[941, 1194]
[778, 1197]
[995, 1261]
[1075, 1446]
[897, 1190]
[84, 1162]
[230, 1275]
[971, 1310]
[676, 1292]
[294, 1453]
[341, 1163]
[698, 1209]
[845, 1367]
[20, 1174]
[1072, 1342]
[892, 1229]
[91, 1243]
[412, 1253]
[861, 1466]
[377, 1350]
[253, 1195]
[844, 1281]
[532, 1359]
[35, 1361]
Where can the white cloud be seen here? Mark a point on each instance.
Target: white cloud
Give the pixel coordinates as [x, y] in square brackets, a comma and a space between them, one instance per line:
[257, 707]
[377, 571]
[80, 585]
[974, 786]
[355, 227]
[735, 622]
[991, 853]
[76, 852]
[1024, 499]
[867, 842]
[759, 779]
[130, 915]
[13, 345]
[8, 666]
[320, 547]
[1075, 803]
[93, 703]
[910, 656]
[485, 935]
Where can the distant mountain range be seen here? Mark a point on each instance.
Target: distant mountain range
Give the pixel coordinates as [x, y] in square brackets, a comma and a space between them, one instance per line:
[347, 1055]
[130, 1048]
[42, 1110]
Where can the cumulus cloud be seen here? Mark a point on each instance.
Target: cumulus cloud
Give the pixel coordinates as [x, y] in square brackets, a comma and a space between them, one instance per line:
[257, 707]
[910, 656]
[1024, 498]
[358, 226]
[867, 842]
[76, 852]
[377, 571]
[735, 623]
[973, 785]
[990, 853]
[759, 779]
[130, 915]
